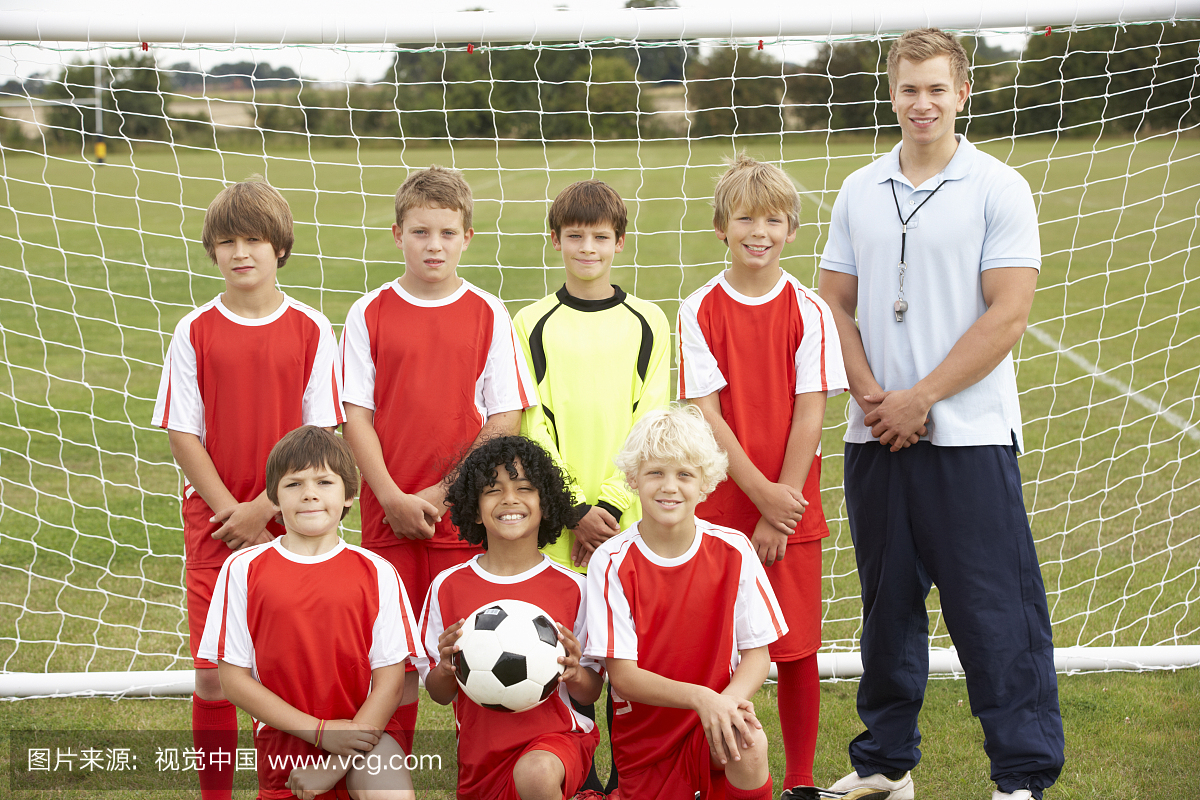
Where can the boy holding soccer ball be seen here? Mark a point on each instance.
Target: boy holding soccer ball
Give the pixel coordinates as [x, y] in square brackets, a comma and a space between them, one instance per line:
[510, 497]
[682, 614]
[311, 635]
[242, 370]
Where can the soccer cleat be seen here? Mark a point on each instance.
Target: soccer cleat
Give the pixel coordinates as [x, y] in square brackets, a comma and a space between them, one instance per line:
[874, 787]
[1019, 794]
[810, 793]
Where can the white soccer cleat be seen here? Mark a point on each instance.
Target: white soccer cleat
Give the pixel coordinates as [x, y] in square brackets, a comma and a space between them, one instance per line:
[1019, 794]
[874, 787]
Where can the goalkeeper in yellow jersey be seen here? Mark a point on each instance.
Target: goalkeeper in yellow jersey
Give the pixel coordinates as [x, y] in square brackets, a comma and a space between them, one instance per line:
[599, 357]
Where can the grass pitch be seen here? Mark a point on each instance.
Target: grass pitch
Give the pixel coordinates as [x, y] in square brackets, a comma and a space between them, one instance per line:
[97, 264]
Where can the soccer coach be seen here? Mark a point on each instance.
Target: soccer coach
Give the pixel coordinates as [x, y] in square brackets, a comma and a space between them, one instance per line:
[935, 244]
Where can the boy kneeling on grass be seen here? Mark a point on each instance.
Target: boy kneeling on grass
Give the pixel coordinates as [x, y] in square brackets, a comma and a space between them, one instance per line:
[509, 496]
[310, 636]
[681, 612]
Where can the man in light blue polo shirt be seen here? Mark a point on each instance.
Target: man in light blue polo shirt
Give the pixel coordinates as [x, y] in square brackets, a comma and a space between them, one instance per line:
[936, 246]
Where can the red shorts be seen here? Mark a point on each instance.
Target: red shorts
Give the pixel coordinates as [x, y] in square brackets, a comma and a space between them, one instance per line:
[418, 564]
[797, 584]
[679, 775]
[200, 584]
[574, 751]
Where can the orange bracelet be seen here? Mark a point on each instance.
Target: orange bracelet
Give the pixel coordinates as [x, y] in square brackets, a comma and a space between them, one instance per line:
[320, 730]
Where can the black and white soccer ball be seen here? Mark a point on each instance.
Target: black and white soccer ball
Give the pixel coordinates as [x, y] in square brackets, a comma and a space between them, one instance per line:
[509, 654]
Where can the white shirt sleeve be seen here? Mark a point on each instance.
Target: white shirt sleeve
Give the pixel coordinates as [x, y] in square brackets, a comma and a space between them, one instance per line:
[819, 365]
[179, 406]
[358, 368]
[580, 629]
[1012, 238]
[226, 630]
[394, 634]
[323, 395]
[505, 384]
[757, 618]
[611, 633]
[430, 627]
[839, 250]
[699, 373]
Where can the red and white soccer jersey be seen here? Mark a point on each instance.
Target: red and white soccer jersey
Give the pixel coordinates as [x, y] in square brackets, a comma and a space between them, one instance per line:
[311, 629]
[433, 371]
[240, 385]
[489, 742]
[684, 618]
[759, 353]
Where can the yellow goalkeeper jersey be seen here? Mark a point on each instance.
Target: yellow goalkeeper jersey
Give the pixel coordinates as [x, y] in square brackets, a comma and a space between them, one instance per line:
[598, 365]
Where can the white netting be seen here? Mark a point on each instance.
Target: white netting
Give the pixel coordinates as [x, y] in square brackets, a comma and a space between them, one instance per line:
[98, 263]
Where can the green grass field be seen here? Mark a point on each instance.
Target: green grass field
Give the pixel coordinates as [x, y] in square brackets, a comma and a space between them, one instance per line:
[98, 264]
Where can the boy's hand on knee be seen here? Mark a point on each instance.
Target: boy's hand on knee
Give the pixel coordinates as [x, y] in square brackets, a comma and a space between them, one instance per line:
[781, 506]
[308, 782]
[768, 542]
[345, 737]
[725, 718]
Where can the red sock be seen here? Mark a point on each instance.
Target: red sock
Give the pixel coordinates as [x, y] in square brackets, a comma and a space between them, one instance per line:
[404, 725]
[799, 712]
[761, 793]
[214, 727]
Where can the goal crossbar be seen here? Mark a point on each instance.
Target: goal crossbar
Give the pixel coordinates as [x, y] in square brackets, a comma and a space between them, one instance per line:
[198, 24]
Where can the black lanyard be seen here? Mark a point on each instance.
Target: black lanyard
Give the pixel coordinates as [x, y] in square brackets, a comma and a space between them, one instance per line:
[904, 222]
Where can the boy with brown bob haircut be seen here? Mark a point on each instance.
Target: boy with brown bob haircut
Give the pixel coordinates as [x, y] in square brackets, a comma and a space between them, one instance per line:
[431, 370]
[311, 636]
[242, 370]
[759, 355]
[601, 360]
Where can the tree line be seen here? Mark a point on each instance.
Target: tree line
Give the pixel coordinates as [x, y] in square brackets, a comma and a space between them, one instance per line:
[1111, 80]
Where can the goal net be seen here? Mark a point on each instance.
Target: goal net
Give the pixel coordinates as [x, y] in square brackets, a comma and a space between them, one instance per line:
[99, 261]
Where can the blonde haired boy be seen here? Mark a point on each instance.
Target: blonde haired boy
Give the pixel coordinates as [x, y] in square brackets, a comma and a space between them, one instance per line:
[431, 369]
[759, 355]
[241, 371]
[682, 673]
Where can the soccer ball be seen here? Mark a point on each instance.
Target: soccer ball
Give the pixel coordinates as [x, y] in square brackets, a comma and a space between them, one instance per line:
[509, 656]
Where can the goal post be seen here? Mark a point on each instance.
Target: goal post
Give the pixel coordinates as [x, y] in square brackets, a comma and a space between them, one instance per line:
[1099, 110]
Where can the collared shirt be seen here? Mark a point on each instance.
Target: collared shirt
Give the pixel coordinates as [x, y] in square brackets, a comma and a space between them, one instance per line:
[983, 217]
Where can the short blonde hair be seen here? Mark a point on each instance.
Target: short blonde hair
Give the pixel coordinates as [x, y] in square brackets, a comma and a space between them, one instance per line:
[677, 434]
[922, 44]
[435, 187]
[250, 208]
[757, 188]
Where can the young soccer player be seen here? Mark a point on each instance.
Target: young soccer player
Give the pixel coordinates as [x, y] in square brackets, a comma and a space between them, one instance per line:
[511, 498]
[682, 614]
[431, 368]
[311, 634]
[759, 354]
[241, 371]
[600, 358]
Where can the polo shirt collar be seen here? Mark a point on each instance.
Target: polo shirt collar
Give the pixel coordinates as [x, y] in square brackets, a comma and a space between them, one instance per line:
[888, 167]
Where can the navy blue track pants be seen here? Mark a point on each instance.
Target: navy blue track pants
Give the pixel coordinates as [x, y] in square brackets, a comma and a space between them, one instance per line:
[954, 517]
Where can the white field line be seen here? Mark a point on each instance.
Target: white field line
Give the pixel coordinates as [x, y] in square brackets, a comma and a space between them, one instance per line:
[1189, 429]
